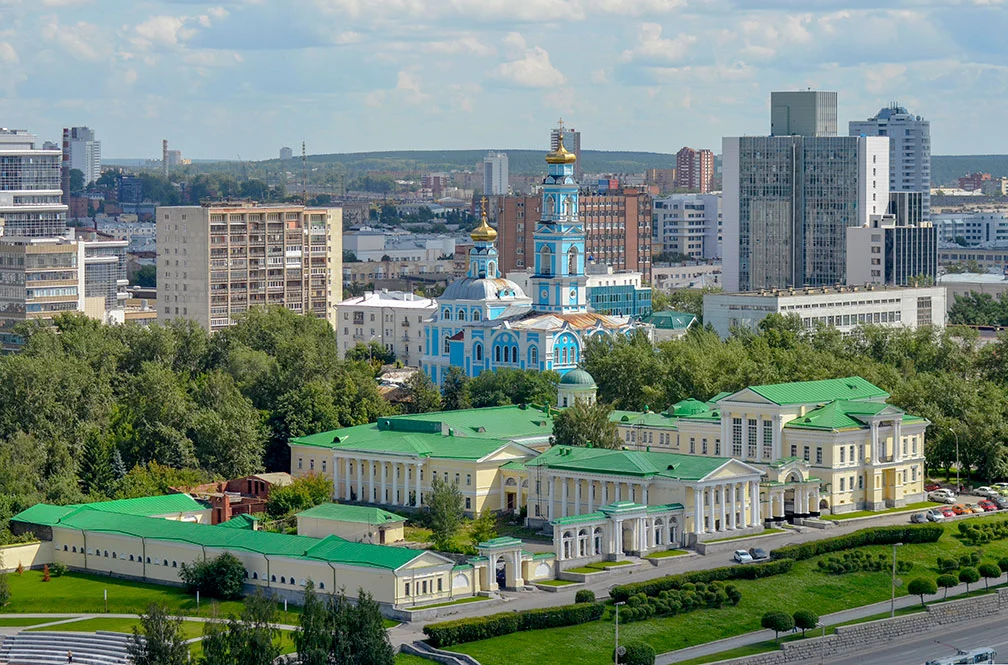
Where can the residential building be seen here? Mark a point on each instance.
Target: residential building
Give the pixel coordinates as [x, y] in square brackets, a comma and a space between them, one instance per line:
[686, 276]
[987, 259]
[392, 318]
[617, 227]
[495, 174]
[694, 170]
[381, 273]
[572, 140]
[972, 228]
[995, 187]
[620, 293]
[907, 208]
[832, 445]
[909, 149]
[39, 279]
[434, 184]
[843, 307]
[485, 321]
[888, 253]
[688, 225]
[104, 265]
[83, 152]
[974, 181]
[370, 245]
[663, 179]
[788, 201]
[810, 113]
[286, 153]
[965, 283]
[217, 261]
[31, 193]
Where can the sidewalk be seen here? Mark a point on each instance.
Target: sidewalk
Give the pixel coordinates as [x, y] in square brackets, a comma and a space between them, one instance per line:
[843, 616]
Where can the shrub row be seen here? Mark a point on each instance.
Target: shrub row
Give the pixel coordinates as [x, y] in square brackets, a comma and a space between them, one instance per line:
[952, 565]
[459, 631]
[675, 582]
[979, 533]
[882, 535]
[679, 601]
[858, 560]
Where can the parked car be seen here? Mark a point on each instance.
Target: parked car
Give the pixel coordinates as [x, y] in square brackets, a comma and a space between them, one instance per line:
[918, 518]
[758, 553]
[1001, 501]
[984, 491]
[936, 515]
[988, 505]
[975, 508]
[947, 512]
[941, 497]
[742, 556]
[931, 487]
[1000, 486]
[961, 509]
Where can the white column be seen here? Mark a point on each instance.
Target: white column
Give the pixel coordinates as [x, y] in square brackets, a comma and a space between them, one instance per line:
[346, 481]
[503, 494]
[384, 486]
[360, 479]
[698, 501]
[734, 490]
[565, 494]
[644, 493]
[335, 477]
[549, 499]
[577, 496]
[618, 493]
[605, 492]
[619, 538]
[755, 510]
[816, 497]
[591, 501]
[710, 510]
[724, 502]
[417, 498]
[778, 438]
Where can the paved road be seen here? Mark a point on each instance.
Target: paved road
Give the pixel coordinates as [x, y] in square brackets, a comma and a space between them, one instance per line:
[915, 650]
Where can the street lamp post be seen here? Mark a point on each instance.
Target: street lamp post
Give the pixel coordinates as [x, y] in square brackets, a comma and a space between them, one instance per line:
[892, 602]
[956, 435]
[616, 652]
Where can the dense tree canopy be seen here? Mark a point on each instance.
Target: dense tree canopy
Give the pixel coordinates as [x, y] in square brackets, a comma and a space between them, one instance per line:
[84, 402]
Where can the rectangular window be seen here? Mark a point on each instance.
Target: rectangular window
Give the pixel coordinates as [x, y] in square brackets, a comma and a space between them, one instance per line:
[851, 483]
[300, 463]
[913, 441]
[842, 484]
[767, 439]
[703, 446]
[692, 445]
[751, 443]
[818, 455]
[717, 447]
[842, 455]
[852, 454]
[805, 453]
[794, 450]
[904, 447]
[407, 588]
[468, 479]
[457, 478]
[860, 482]
[439, 583]
[468, 503]
[736, 437]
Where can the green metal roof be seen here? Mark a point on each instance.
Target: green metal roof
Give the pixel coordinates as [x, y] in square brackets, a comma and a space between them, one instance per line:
[513, 465]
[670, 320]
[346, 513]
[665, 507]
[648, 418]
[240, 522]
[169, 504]
[689, 407]
[578, 519]
[577, 377]
[468, 434]
[841, 415]
[628, 462]
[332, 548]
[825, 390]
[500, 541]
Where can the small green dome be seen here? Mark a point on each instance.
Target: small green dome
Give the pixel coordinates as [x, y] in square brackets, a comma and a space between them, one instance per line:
[578, 377]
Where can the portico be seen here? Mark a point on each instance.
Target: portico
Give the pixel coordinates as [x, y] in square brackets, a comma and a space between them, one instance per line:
[616, 530]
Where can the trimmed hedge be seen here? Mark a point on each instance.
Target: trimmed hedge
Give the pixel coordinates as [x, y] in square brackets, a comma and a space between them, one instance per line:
[979, 533]
[584, 596]
[858, 560]
[446, 633]
[654, 587]
[637, 653]
[692, 596]
[882, 535]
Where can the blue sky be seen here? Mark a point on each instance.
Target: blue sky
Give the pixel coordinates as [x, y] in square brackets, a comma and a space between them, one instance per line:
[228, 78]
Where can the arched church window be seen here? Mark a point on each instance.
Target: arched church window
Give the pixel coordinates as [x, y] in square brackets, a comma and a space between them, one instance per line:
[572, 261]
[565, 355]
[477, 315]
[446, 344]
[461, 315]
[507, 354]
[545, 261]
[491, 269]
[497, 354]
[446, 314]
[514, 354]
[534, 356]
[478, 352]
[556, 355]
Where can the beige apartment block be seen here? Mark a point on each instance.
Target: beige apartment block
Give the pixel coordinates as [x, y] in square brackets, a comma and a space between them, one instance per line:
[217, 261]
[39, 279]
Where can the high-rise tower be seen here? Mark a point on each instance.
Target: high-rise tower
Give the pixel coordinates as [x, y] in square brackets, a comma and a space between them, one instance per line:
[559, 279]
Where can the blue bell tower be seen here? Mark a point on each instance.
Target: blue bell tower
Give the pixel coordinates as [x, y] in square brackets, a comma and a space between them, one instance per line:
[558, 283]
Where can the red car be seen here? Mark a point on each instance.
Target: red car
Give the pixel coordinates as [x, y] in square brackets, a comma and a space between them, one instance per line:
[931, 487]
[987, 505]
[947, 511]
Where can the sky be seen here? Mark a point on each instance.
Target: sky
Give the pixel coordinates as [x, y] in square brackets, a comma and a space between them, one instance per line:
[241, 78]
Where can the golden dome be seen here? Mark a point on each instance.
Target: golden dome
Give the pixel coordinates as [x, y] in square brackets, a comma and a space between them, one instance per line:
[484, 232]
[560, 155]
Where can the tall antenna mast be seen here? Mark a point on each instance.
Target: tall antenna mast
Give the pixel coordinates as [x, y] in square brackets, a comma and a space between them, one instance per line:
[304, 175]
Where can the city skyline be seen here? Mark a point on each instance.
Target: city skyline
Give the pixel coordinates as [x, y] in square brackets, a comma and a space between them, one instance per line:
[224, 79]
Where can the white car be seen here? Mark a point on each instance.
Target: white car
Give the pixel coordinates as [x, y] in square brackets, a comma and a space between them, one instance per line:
[741, 556]
[1000, 486]
[985, 491]
[941, 497]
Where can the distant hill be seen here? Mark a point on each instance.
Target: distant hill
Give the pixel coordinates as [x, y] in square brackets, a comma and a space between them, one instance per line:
[522, 162]
[947, 169]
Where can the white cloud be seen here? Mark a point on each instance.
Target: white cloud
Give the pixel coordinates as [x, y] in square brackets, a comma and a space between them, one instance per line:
[652, 47]
[880, 78]
[470, 45]
[533, 70]
[7, 54]
[601, 76]
[159, 32]
[82, 40]
[514, 44]
[408, 91]
[635, 7]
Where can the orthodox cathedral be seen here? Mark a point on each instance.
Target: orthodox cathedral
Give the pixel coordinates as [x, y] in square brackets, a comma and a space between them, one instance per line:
[485, 322]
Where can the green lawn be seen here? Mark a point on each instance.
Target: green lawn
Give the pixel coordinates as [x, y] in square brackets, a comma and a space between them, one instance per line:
[598, 566]
[82, 593]
[118, 625]
[920, 505]
[738, 652]
[460, 601]
[804, 587]
[410, 659]
[556, 583]
[764, 532]
[16, 622]
[665, 554]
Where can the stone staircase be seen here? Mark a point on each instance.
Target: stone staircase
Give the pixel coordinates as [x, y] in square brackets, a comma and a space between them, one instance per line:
[51, 647]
